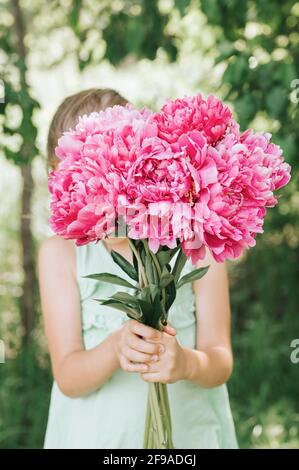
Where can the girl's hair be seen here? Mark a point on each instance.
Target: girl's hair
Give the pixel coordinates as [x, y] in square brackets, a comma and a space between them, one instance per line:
[72, 107]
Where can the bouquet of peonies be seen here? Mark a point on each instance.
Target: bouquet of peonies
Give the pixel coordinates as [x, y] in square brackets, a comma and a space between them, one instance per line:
[175, 182]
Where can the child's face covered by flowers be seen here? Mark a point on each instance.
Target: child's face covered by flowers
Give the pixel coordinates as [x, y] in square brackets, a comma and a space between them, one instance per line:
[145, 167]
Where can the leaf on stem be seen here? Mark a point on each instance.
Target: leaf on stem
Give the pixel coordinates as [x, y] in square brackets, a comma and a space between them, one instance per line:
[193, 276]
[126, 298]
[179, 265]
[111, 279]
[166, 278]
[132, 313]
[149, 270]
[170, 295]
[127, 267]
[164, 257]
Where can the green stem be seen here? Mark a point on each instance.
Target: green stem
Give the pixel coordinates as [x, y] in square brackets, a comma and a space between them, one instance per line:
[166, 413]
[148, 425]
[155, 260]
[158, 432]
[153, 425]
[150, 441]
[157, 415]
[162, 405]
[140, 265]
[158, 429]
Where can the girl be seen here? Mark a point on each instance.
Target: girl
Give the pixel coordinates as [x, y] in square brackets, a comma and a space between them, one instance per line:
[102, 361]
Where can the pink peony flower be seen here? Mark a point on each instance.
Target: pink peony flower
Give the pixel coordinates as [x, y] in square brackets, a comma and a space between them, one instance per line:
[95, 159]
[249, 170]
[160, 174]
[211, 117]
[167, 184]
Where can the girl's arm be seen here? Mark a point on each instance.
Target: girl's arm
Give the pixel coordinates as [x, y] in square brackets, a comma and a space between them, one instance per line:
[78, 371]
[210, 364]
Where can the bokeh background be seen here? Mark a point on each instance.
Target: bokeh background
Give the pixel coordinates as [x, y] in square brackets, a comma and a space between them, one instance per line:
[247, 53]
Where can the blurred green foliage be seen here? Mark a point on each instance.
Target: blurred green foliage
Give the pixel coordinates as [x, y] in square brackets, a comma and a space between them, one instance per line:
[256, 45]
[259, 42]
[24, 398]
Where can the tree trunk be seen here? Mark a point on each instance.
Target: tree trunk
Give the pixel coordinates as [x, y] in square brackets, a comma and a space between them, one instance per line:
[27, 244]
[28, 261]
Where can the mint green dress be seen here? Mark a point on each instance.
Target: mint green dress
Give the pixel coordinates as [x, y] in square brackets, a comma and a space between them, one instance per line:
[113, 417]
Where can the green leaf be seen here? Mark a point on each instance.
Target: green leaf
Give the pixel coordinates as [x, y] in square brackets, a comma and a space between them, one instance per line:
[174, 251]
[120, 306]
[135, 316]
[142, 254]
[149, 269]
[170, 295]
[154, 290]
[146, 308]
[163, 257]
[166, 278]
[126, 298]
[135, 263]
[156, 306]
[127, 267]
[157, 311]
[179, 265]
[151, 306]
[111, 279]
[193, 276]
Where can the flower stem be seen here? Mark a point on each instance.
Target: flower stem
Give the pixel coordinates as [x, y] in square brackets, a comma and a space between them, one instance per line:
[156, 413]
[140, 265]
[148, 424]
[158, 433]
[166, 413]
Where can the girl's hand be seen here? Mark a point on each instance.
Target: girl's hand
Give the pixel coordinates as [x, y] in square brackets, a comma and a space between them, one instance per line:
[137, 346]
[171, 365]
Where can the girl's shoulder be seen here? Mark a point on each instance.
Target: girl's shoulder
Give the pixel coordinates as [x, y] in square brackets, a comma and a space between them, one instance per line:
[57, 250]
[57, 244]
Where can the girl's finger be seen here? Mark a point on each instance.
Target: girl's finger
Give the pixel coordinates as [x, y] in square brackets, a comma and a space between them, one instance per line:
[128, 366]
[151, 377]
[169, 329]
[135, 342]
[136, 356]
[145, 331]
[154, 367]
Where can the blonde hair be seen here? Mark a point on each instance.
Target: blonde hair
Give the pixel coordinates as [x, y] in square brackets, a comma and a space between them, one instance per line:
[72, 107]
